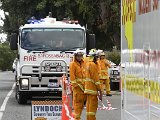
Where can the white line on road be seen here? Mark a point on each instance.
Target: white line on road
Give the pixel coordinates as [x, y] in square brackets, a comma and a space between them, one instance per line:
[2, 108]
[155, 107]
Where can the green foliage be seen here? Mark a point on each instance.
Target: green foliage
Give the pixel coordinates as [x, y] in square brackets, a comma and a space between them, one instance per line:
[114, 56]
[109, 24]
[6, 57]
[41, 5]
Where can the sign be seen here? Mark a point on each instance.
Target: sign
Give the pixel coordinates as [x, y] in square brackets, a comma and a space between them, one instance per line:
[46, 110]
[53, 85]
[35, 57]
[115, 72]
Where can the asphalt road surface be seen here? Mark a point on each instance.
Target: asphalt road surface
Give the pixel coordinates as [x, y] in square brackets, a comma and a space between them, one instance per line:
[11, 110]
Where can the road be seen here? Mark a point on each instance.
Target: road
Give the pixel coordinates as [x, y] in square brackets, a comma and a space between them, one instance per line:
[11, 110]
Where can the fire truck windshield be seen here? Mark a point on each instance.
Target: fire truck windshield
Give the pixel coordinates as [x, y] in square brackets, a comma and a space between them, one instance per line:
[52, 39]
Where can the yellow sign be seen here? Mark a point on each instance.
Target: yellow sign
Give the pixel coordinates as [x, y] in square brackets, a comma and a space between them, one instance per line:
[128, 17]
[146, 88]
[40, 118]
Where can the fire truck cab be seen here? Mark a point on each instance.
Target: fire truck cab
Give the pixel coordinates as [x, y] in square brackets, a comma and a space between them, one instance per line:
[45, 49]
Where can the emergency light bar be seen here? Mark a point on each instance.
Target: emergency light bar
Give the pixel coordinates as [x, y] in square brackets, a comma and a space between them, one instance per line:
[50, 20]
[34, 21]
[71, 21]
[42, 21]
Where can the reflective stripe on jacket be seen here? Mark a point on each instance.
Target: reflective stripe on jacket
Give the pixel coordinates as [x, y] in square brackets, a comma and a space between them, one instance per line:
[92, 84]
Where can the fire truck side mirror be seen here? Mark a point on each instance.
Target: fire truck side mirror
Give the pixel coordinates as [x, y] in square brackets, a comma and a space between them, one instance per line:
[91, 42]
[13, 41]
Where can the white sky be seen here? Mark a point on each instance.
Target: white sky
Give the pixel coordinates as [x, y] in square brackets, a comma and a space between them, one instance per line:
[2, 35]
[2, 14]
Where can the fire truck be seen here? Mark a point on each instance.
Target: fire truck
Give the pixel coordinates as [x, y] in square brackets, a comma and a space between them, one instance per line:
[45, 49]
[141, 60]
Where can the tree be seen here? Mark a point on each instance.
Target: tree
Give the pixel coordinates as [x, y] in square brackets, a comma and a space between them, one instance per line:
[101, 17]
[19, 12]
[108, 23]
[6, 56]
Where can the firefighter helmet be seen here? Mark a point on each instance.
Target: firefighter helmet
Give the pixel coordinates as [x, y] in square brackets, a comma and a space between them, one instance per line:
[99, 52]
[79, 52]
[92, 52]
[102, 54]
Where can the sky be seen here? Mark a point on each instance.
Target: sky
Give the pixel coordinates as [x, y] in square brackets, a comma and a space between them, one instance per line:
[2, 35]
[1, 16]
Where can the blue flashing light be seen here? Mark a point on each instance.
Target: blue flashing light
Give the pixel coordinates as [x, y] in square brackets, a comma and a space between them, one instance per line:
[35, 21]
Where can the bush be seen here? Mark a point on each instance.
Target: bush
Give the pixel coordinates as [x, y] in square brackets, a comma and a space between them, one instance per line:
[114, 56]
[6, 57]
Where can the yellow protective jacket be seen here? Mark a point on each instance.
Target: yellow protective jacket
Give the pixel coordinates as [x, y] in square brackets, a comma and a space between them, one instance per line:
[104, 65]
[77, 74]
[92, 84]
[86, 60]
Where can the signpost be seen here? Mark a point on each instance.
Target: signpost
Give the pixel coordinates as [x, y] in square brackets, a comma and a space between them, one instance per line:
[46, 110]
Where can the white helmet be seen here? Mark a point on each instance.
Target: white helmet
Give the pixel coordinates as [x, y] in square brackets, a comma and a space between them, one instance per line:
[92, 52]
[99, 52]
[102, 54]
[79, 52]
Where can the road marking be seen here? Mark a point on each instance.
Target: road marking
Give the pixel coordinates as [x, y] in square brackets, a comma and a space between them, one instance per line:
[132, 115]
[2, 108]
[155, 107]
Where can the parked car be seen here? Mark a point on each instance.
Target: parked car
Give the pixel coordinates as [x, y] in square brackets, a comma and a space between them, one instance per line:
[114, 73]
[111, 63]
[14, 65]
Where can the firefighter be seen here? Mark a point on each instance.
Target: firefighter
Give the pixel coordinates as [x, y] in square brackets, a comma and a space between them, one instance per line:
[104, 77]
[77, 76]
[92, 86]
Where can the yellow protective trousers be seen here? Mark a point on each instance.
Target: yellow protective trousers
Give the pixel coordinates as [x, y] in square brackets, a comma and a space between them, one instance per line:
[91, 106]
[78, 102]
[105, 84]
